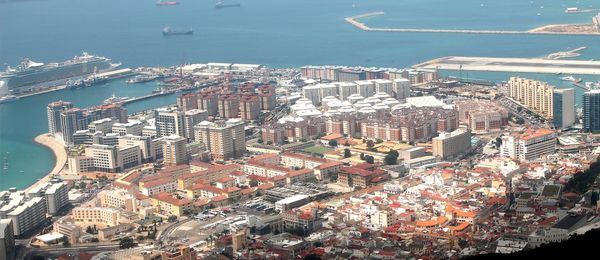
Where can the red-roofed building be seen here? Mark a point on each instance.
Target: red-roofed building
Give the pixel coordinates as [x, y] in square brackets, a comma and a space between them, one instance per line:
[298, 219]
[225, 182]
[302, 175]
[213, 173]
[163, 184]
[300, 160]
[361, 175]
[325, 170]
[167, 205]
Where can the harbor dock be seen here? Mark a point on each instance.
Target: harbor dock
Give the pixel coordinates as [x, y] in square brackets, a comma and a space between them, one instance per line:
[529, 65]
[567, 29]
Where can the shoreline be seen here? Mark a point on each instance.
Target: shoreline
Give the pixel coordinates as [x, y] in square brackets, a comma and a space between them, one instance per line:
[542, 30]
[60, 158]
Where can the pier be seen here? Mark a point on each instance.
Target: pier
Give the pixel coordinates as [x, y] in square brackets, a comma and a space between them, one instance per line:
[529, 65]
[169, 92]
[544, 30]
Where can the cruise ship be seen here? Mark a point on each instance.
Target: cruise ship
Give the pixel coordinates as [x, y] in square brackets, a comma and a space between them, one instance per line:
[30, 73]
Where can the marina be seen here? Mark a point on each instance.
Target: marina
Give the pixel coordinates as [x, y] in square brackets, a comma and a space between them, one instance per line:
[530, 65]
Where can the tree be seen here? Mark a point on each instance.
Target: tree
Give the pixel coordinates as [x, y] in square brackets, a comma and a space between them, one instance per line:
[126, 242]
[65, 242]
[369, 159]
[260, 140]
[172, 218]
[82, 185]
[390, 159]
[333, 143]
[89, 230]
[347, 153]
[269, 143]
[370, 144]
[318, 244]
[499, 142]
[378, 141]
[253, 183]
[362, 156]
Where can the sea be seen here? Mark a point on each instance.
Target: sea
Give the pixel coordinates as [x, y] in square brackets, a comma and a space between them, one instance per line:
[275, 33]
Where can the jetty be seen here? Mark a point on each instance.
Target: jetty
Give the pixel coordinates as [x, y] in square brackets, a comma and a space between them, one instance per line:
[570, 29]
[529, 65]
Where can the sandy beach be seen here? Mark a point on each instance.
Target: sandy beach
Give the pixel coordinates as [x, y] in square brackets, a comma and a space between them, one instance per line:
[60, 155]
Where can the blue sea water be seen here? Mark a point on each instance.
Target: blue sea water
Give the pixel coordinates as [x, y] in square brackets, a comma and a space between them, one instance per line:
[277, 33]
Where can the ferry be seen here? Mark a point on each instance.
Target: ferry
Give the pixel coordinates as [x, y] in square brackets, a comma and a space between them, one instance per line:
[222, 4]
[572, 10]
[570, 78]
[166, 3]
[167, 31]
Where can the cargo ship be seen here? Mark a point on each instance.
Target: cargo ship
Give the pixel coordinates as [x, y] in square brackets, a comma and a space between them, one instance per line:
[166, 3]
[33, 74]
[222, 4]
[167, 31]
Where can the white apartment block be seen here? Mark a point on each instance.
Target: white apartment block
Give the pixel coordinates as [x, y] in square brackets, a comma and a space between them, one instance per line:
[530, 145]
[28, 215]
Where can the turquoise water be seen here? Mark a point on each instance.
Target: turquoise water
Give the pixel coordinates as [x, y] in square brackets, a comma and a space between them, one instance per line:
[277, 33]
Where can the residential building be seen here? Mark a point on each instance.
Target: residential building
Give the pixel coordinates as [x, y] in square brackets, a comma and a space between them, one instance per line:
[482, 116]
[133, 127]
[95, 216]
[7, 240]
[102, 125]
[224, 140]
[563, 107]
[362, 175]
[401, 88]
[249, 107]
[174, 150]
[145, 143]
[168, 205]
[56, 195]
[188, 101]
[119, 199]
[71, 120]
[449, 145]
[273, 134]
[529, 145]
[266, 94]
[535, 95]
[192, 118]
[28, 215]
[591, 111]
[170, 121]
[229, 106]
[54, 110]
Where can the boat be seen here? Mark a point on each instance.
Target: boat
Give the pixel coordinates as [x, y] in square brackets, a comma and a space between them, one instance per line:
[87, 82]
[167, 31]
[570, 78]
[8, 98]
[166, 3]
[222, 4]
[115, 100]
[572, 10]
[142, 79]
[32, 74]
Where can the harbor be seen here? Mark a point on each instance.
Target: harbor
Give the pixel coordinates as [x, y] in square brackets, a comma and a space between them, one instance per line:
[529, 65]
[590, 29]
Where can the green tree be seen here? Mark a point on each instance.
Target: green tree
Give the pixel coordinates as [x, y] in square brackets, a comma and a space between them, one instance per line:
[378, 141]
[369, 159]
[318, 244]
[65, 242]
[347, 153]
[126, 242]
[260, 140]
[253, 183]
[333, 143]
[370, 144]
[172, 218]
[269, 143]
[362, 156]
[390, 159]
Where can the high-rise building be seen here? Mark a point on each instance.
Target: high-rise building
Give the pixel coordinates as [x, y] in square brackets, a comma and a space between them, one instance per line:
[7, 240]
[225, 140]
[103, 125]
[70, 121]
[346, 89]
[591, 111]
[229, 106]
[401, 88]
[28, 215]
[383, 86]
[268, 100]
[272, 134]
[448, 145]
[529, 145]
[192, 118]
[249, 107]
[187, 101]
[133, 127]
[116, 111]
[170, 121]
[174, 151]
[56, 195]
[535, 95]
[145, 143]
[563, 107]
[54, 109]
[209, 102]
[366, 88]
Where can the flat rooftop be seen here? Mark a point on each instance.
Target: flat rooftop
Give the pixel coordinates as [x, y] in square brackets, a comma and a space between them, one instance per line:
[531, 65]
